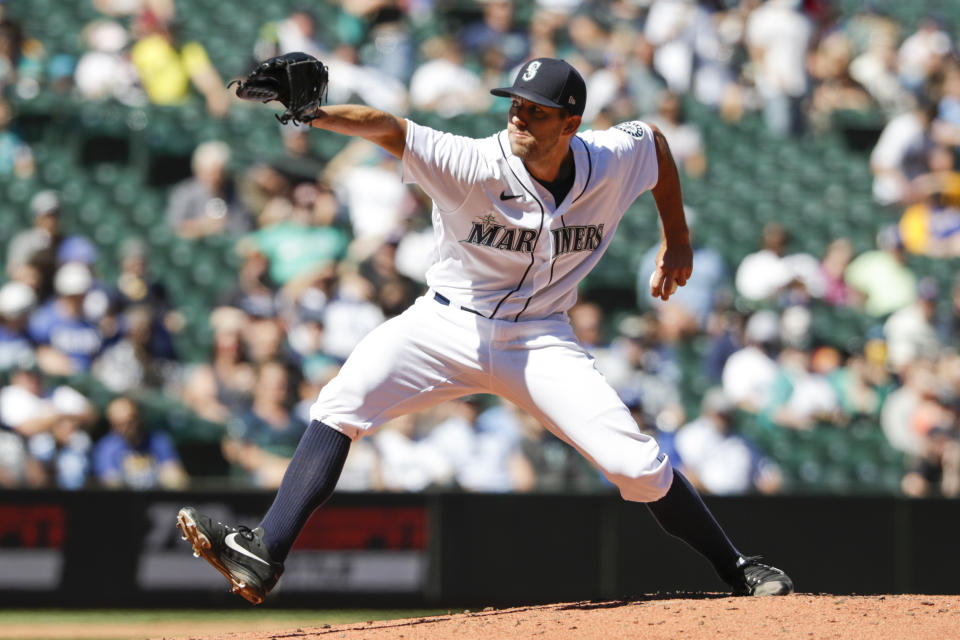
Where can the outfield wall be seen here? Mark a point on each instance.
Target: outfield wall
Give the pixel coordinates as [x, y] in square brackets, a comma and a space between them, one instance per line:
[110, 549]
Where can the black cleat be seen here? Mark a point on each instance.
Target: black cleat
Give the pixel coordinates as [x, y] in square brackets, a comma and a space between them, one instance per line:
[753, 578]
[236, 552]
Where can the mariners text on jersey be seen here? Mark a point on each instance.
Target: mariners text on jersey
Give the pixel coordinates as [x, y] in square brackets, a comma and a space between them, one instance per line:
[485, 232]
[503, 247]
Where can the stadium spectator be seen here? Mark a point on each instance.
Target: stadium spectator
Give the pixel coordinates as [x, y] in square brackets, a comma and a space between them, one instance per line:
[834, 89]
[54, 424]
[833, 264]
[935, 467]
[899, 155]
[364, 179]
[16, 157]
[644, 83]
[137, 360]
[910, 332]
[546, 463]
[261, 439]
[669, 28]
[863, 382]
[900, 406]
[15, 463]
[643, 371]
[609, 101]
[717, 458]
[222, 387]
[771, 271]
[495, 30]
[391, 45]
[395, 291]
[207, 203]
[11, 48]
[105, 70]
[799, 397]
[778, 37]
[63, 452]
[305, 240]
[167, 68]
[750, 372]
[686, 142]
[67, 342]
[17, 301]
[931, 226]
[407, 462]
[876, 71]
[134, 456]
[349, 315]
[882, 277]
[948, 319]
[296, 32]
[263, 340]
[482, 461]
[255, 292]
[922, 54]
[299, 161]
[349, 79]
[725, 328]
[443, 83]
[32, 253]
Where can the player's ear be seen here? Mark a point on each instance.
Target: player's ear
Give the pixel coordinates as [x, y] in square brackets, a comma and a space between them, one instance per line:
[571, 125]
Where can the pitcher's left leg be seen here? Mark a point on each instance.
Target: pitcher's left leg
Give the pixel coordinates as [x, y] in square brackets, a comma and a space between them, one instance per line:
[559, 385]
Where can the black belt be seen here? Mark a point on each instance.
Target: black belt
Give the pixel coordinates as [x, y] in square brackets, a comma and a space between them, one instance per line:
[446, 302]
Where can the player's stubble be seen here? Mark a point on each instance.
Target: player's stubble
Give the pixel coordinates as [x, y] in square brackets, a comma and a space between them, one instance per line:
[530, 148]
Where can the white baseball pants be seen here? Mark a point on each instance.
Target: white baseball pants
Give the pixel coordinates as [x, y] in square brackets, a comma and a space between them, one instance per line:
[432, 353]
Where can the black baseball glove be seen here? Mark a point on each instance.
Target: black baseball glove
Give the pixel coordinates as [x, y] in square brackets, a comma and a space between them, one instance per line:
[297, 80]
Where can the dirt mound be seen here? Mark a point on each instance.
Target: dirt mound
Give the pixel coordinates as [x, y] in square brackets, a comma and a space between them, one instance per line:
[669, 617]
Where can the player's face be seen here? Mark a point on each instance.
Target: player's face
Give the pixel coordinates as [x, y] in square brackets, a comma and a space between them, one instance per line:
[534, 130]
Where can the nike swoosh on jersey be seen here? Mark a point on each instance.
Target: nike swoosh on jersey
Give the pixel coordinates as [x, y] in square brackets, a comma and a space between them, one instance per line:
[232, 543]
[504, 196]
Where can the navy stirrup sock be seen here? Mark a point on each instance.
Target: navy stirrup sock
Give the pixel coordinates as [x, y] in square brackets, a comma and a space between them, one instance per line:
[683, 514]
[308, 482]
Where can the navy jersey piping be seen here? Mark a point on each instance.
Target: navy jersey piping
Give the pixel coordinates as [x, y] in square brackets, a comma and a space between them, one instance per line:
[553, 261]
[589, 169]
[563, 222]
[533, 251]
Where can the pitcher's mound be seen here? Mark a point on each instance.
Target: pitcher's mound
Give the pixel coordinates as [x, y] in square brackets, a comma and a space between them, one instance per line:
[671, 617]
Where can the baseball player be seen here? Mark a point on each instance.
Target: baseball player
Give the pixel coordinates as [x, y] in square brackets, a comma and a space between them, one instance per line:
[519, 219]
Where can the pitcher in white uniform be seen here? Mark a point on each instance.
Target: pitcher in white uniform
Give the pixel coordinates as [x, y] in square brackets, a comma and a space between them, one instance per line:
[519, 219]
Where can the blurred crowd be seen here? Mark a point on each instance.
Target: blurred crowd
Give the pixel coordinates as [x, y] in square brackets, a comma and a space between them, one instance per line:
[331, 247]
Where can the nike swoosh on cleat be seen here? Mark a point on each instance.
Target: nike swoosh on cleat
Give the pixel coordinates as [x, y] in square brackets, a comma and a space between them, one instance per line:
[505, 196]
[232, 543]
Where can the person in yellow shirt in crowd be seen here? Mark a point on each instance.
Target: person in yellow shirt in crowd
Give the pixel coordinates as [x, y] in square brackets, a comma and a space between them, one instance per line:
[931, 226]
[168, 68]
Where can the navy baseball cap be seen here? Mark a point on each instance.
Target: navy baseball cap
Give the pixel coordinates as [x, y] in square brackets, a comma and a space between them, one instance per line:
[550, 82]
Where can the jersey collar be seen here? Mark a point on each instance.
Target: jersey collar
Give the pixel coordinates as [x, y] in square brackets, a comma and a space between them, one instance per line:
[582, 172]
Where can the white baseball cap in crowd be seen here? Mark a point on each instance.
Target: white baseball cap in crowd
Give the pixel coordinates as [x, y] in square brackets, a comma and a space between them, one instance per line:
[763, 326]
[16, 299]
[47, 201]
[72, 279]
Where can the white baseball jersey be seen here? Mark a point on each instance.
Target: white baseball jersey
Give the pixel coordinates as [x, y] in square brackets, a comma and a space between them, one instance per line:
[511, 258]
[504, 247]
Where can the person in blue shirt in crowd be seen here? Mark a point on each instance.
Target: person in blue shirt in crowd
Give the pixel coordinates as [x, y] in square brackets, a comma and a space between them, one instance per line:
[67, 341]
[134, 457]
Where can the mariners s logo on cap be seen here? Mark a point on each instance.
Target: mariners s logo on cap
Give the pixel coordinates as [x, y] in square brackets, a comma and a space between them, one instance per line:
[550, 82]
[531, 71]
